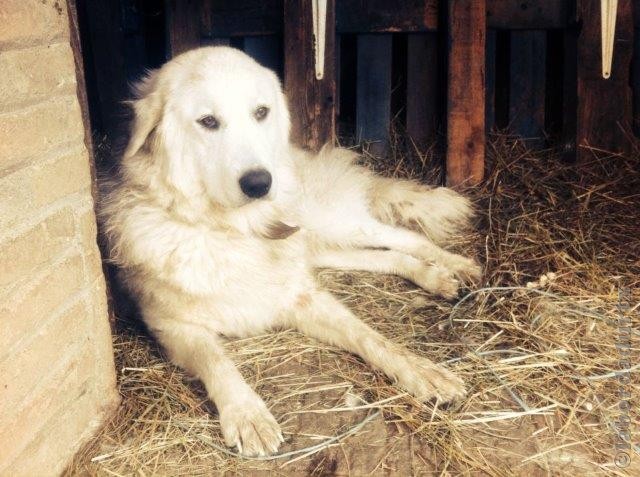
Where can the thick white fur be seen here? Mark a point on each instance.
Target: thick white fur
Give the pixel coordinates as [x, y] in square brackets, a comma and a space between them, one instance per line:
[204, 261]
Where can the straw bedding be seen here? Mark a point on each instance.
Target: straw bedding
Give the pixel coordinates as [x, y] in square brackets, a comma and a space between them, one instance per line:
[536, 345]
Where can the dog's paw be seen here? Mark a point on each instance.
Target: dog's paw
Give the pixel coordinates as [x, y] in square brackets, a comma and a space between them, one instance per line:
[249, 426]
[426, 380]
[465, 269]
[437, 280]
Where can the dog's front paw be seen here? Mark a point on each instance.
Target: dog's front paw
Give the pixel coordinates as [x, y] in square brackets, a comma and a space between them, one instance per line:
[427, 380]
[249, 426]
[438, 280]
[465, 269]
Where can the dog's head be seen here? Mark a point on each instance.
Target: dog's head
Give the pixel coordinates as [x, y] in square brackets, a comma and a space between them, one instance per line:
[216, 122]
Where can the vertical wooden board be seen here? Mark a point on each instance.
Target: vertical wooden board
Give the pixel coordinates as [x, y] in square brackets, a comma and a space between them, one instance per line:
[183, 25]
[490, 80]
[569, 93]
[265, 49]
[373, 91]
[527, 84]
[422, 87]
[604, 105]
[466, 33]
[105, 68]
[311, 101]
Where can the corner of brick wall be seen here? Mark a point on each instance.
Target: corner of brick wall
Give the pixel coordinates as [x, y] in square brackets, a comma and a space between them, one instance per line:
[57, 377]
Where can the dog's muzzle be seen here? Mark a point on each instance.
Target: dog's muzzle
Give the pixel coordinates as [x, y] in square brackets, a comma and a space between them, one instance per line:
[255, 183]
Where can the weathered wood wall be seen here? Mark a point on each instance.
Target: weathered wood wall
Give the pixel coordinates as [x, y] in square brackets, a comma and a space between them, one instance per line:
[531, 66]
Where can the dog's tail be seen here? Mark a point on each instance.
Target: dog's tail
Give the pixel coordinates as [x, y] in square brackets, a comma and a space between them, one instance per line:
[438, 212]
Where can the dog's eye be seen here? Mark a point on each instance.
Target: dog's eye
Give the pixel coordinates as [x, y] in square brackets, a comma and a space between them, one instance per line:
[209, 122]
[261, 113]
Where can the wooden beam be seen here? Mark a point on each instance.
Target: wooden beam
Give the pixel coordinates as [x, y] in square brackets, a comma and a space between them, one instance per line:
[422, 88]
[183, 25]
[225, 18]
[385, 16]
[528, 14]
[264, 17]
[312, 102]
[604, 105]
[373, 91]
[527, 85]
[466, 33]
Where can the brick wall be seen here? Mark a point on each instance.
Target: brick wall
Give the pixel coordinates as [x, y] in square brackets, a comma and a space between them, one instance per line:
[57, 380]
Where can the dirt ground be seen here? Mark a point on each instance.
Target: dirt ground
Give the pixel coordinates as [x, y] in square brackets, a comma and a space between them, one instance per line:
[536, 346]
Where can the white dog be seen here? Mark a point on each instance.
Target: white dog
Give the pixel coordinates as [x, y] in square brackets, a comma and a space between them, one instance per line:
[216, 222]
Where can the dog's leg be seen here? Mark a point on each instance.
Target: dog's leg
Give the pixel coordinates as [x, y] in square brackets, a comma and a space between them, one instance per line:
[372, 233]
[438, 212]
[432, 278]
[244, 418]
[321, 316]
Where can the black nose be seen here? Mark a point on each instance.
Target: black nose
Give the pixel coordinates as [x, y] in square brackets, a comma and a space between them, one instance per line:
[255, 183]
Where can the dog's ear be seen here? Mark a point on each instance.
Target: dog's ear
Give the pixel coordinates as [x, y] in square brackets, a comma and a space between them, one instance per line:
[147, 109]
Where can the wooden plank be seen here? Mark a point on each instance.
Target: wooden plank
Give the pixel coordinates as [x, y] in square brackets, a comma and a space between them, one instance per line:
[422, 88]
[225, 18]
[266, 50]
[312, 102]
[604, 105]
[373, 91]
[105, 68]
[527, 84]
[466, 33]
[263, 17]
[183, 25]
[569, 93]
[528, 14]
[635, 75]
[379, 16]
[490, 80]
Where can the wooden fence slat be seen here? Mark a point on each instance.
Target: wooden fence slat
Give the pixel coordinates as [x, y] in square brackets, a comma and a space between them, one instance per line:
[373, 91]
[422, 87]
[183, 25]
[266, 50]
[528, 14]
[490, 80]
[311, 101]
[466, 34]
[604, 105]
[384, 16]
[527, 84]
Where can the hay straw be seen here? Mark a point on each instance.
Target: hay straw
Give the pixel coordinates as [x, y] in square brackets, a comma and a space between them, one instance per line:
[536, 345]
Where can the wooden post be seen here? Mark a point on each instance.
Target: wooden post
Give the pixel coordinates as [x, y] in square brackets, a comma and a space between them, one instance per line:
[466, 33]
[422, 87]
[311, 101]
[604, 105]
[183, 25]
[373, 91]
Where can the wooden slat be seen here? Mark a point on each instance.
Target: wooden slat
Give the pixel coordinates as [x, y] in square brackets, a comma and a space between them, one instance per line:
[266, 50]
[183, 25]
[604, 105]
[224, 18]
[378, 16]
[466, 32]
[311, 101]
[490, 80]
[373, 91]
[263, 17]
[527, 85]
[569, 93]
[528, 14]
[106, 71]
[422, 87]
